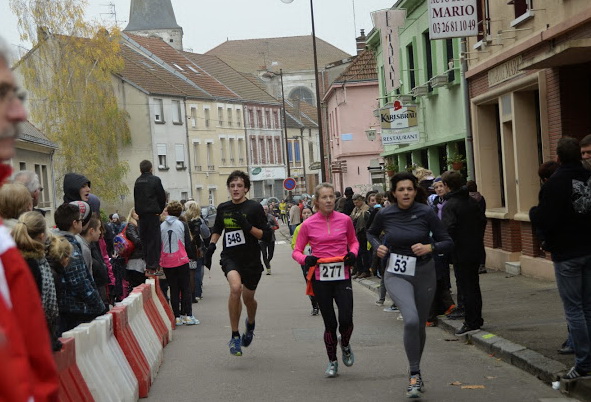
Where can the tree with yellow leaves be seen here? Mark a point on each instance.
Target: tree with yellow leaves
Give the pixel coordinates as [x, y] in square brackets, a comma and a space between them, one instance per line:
[69, 74]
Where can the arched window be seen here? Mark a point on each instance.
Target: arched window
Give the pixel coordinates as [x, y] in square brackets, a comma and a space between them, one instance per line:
[304, 94]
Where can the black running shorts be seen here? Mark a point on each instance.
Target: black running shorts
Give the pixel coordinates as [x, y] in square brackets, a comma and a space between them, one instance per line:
[250, 274]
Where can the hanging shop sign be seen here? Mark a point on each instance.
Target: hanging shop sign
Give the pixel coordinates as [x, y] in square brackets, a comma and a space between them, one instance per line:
[452, 19]
[399, 124]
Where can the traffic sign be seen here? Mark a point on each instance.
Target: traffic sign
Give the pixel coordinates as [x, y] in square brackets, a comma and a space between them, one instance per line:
[289, 184]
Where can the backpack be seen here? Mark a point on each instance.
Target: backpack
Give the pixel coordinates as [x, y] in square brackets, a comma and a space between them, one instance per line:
[581, 196]
[122, 246]
[204, 230]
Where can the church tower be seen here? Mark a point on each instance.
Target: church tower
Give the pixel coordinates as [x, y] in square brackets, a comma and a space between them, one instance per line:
[155, 18]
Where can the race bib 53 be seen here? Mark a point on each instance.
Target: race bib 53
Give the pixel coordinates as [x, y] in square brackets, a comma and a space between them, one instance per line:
[402, 264]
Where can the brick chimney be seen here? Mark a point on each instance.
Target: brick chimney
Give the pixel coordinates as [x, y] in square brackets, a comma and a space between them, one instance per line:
[361, 42]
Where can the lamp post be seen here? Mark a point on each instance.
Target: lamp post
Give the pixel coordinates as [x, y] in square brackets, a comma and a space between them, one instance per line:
[323, 176]
[284, 125]
[303, 153]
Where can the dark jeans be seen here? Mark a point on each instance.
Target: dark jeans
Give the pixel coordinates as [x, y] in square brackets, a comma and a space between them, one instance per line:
[573, 278]
[178, 280]
[134, 278]
[267, 249]
[469, 283]
[442, 300]
[197, 279]
[149, 227]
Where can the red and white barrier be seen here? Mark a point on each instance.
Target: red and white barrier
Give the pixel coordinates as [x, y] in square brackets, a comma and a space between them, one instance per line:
[72, 388]
[168, 319]
[106, 372]
[143, 331]
[151, 311]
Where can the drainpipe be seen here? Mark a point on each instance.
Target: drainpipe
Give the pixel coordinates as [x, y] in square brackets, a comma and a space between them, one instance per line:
[188, 151]
[468, 117]
[246, 150]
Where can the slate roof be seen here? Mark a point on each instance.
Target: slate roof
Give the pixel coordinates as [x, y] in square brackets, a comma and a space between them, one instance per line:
[182, 66]
[306, 116]
[231, 78]
[363, 68]
[151, 14]
[30, 133]
[292, 53]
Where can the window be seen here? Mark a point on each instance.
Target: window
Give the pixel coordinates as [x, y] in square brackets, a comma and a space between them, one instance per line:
[259, 118]
[220, 116]
[206, 114]
[275, 119]
[483, 15]
[158, 111]
[521, 7]
[184, 195]
[311, 151]
[238, 117]
[41, 171]
[262, 150]
[279, 152]
[22, 166]
[229, 111]
[303, 94]
[272, 154]
[179, 150]
[240, 151]
[210, 165]
[231, 151]
[194, 117]
[290, 151]
[176, 112]
[298, 150]
[428, 58]
[223, 149]
[211, 197]
[268, 122]
[411, 66]
[196, 158]
[162, 156]
[449, 56]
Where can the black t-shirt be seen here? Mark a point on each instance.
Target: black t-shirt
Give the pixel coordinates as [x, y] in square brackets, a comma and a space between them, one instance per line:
[237, 244]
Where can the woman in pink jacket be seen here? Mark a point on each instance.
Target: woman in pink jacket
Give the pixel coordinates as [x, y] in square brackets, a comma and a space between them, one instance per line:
[331, 236]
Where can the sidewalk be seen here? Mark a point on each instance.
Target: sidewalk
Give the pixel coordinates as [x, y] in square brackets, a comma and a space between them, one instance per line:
[524, 325]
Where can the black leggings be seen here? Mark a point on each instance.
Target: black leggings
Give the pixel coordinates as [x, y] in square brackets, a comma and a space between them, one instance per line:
[342, 293]
[178, 280]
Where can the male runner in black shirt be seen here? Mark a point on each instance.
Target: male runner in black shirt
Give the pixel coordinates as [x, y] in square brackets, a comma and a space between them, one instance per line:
[243, 223]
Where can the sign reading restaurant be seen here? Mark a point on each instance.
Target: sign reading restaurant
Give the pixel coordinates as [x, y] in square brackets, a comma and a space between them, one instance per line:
[452, 18]
[399, 124]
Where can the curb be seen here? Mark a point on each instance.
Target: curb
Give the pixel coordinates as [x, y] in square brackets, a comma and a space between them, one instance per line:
[544, 368]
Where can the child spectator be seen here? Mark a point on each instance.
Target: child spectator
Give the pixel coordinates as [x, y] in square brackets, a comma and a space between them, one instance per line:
[135, 271]
[177, 250]
[30, 234]
[79, 300]
[14, 200]
[90, 237]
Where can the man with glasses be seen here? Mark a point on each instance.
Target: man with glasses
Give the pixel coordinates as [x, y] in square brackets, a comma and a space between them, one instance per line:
[31, 181]
[25, 347]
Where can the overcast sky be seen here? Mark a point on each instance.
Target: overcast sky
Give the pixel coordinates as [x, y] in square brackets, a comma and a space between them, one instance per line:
[207, 23]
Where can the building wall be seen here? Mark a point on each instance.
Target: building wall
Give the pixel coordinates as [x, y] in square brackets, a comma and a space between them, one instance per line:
[350, 112]
[519, 114]
[217, 147]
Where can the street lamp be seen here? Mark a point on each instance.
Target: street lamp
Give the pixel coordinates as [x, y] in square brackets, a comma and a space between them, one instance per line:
[319, 113]
[284, 123]
[303, 153]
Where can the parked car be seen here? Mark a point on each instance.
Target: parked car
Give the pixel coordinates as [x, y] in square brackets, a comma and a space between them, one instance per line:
[266, 201]
[296, 198]
[209, 213]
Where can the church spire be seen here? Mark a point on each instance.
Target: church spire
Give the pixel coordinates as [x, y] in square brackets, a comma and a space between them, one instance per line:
[155, 18]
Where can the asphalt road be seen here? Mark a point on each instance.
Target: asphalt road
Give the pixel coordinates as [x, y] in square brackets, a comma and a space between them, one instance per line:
[287, 359]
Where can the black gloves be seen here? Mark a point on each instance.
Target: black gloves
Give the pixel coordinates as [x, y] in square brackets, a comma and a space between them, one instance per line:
[350, 259]
[311, 261]
[241, 221]
[208, 254]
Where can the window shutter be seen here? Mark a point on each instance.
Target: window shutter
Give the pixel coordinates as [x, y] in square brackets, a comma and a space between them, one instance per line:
[161, 149]
[180, 152]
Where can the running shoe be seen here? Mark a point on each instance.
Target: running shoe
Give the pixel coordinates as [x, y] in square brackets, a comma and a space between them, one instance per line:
[178, 321]
[348, 356]
[234, 345]
[314, 311]
[247, 335]
[482, 269]
[457, 314]
[268, 271]
[380, 302]
[431, 323]
[450, 310]
[190, 320]
[415, 386]
[332, 370]
[575, 374]
[466, 330]
[391, 309]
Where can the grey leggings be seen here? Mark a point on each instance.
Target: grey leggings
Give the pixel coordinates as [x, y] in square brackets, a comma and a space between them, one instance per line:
[413, 295]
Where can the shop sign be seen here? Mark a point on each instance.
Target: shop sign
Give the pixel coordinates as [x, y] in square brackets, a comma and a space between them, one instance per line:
[402, 136]
[505, 71]
[398, 116]
[452, 18]
[267, 173]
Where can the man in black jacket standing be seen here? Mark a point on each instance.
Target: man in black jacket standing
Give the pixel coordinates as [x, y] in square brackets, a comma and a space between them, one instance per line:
[150, 200]
[465, 221]
[565, 234]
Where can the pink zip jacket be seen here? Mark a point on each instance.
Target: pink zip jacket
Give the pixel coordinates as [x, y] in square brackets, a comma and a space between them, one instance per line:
[329, 236]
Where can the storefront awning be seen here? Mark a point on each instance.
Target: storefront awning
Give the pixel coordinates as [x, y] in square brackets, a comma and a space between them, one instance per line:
[576, 51]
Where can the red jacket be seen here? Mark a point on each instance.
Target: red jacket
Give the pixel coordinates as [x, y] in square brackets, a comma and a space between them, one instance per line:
[25, 346]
